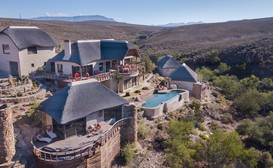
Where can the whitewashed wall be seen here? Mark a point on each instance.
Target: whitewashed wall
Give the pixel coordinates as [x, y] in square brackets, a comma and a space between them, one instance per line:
[184, 85]
[6, 58]
[42, 56]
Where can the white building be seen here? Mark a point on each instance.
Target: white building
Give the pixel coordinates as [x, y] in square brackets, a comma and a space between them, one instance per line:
[24, 49]
[99, 58]
[167, 65]
[181, 75]
[184, 77]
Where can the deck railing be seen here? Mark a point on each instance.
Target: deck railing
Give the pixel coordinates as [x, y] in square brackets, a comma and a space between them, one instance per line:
[85, 149]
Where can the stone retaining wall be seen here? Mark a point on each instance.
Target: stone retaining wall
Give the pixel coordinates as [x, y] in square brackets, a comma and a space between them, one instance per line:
[7, 140]
[39, 95]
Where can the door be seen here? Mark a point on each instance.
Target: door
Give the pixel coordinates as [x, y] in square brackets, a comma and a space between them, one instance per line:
[52, 64]
[13, 68]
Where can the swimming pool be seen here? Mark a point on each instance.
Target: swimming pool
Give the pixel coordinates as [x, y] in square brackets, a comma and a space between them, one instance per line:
[160, 103]
[158, 98]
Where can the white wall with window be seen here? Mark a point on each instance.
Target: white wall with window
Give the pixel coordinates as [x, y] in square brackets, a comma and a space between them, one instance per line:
[36, 56]
[8, 53]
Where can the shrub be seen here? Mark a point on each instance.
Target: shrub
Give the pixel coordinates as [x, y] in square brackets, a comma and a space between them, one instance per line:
[143, 130]
[195, 105]
[127, 153]
[227, 118]
[214, 125]
[201, 127]
[159, 126]
[203, 136]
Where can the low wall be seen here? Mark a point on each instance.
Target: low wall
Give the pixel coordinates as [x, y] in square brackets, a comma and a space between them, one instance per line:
[39, 95]
[167, 106]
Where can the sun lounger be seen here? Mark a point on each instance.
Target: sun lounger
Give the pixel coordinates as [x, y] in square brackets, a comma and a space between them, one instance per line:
[51, 134]
[43, 139]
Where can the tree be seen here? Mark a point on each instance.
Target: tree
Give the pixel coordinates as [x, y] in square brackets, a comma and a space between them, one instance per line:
[212, 57]
[222, 69]
[258, 131]
[251, 82]
[149, 65]
[226, 149]
[205, 74]
[249, 103]
[230, 85]
[180, 150]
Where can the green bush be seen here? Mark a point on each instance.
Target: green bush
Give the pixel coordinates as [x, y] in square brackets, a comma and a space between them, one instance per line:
[201, 127]
[227, 118]
[214, 125]
[143, 130]
[195, 105]
[203, 136]
[127, 153]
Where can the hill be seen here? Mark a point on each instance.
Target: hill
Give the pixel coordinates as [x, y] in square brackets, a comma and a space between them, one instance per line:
[203, 36]
[60, 30]
[75, 18]
[237, 42]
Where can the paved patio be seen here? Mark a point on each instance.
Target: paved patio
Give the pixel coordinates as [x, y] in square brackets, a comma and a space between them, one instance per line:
[72, 142]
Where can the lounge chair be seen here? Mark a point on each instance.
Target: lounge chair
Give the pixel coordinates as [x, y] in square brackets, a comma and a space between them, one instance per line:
[43, 139]
[51, 134]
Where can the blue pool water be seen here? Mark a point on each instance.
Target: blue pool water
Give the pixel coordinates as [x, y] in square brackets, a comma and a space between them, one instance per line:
[155, 99]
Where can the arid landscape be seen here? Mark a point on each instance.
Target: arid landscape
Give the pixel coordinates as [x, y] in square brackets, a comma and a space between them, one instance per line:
[233, 62]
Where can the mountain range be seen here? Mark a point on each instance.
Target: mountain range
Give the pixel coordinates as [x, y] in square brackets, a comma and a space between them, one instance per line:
[181, 24]
[238, 42]
[74, 18]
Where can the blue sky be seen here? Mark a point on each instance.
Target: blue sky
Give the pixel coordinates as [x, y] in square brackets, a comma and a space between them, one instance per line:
[149, 12]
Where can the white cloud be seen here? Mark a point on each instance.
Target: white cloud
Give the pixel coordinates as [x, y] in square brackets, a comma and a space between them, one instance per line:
[56, 14]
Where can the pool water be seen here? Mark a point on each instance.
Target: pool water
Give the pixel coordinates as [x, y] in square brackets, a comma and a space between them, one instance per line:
[156, 99]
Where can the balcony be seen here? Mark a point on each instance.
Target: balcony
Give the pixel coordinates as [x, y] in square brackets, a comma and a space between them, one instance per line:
[127, 70]
[77, 146]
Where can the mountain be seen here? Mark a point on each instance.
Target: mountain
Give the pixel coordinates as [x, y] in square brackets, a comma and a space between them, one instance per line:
[249, 41]
[180, 24]
[74, 18]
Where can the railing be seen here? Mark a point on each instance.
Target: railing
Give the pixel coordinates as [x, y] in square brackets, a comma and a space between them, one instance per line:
[85, 149]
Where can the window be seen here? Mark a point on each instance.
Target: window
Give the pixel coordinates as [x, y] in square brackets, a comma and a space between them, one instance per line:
[44, 63]
[60, 68]
[101, 66]
[108, 66]
[113, 113]
[5, 49]
[32, 50]
[32, 64]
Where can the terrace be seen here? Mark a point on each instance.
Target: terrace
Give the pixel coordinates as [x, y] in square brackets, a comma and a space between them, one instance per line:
[76, 146]
[127, 70]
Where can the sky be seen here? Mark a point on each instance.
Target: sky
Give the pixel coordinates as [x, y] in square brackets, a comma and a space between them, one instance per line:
[147, 12]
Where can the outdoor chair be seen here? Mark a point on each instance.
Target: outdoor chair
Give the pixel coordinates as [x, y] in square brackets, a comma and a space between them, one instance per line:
[51, 134]
[43, 139]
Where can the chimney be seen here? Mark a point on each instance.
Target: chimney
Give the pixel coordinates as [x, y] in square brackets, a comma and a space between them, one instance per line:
[67, 48]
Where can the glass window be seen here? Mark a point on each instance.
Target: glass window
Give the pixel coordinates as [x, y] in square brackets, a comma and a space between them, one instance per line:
[5, 49]
[32, 65]
[113, 113]
[101, 66]
[32, 50]
[108, 66]
[60, 67]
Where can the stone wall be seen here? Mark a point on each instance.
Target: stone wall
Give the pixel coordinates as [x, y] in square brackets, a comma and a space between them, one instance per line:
[7, 140]
[197, 91]
[30, 98]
